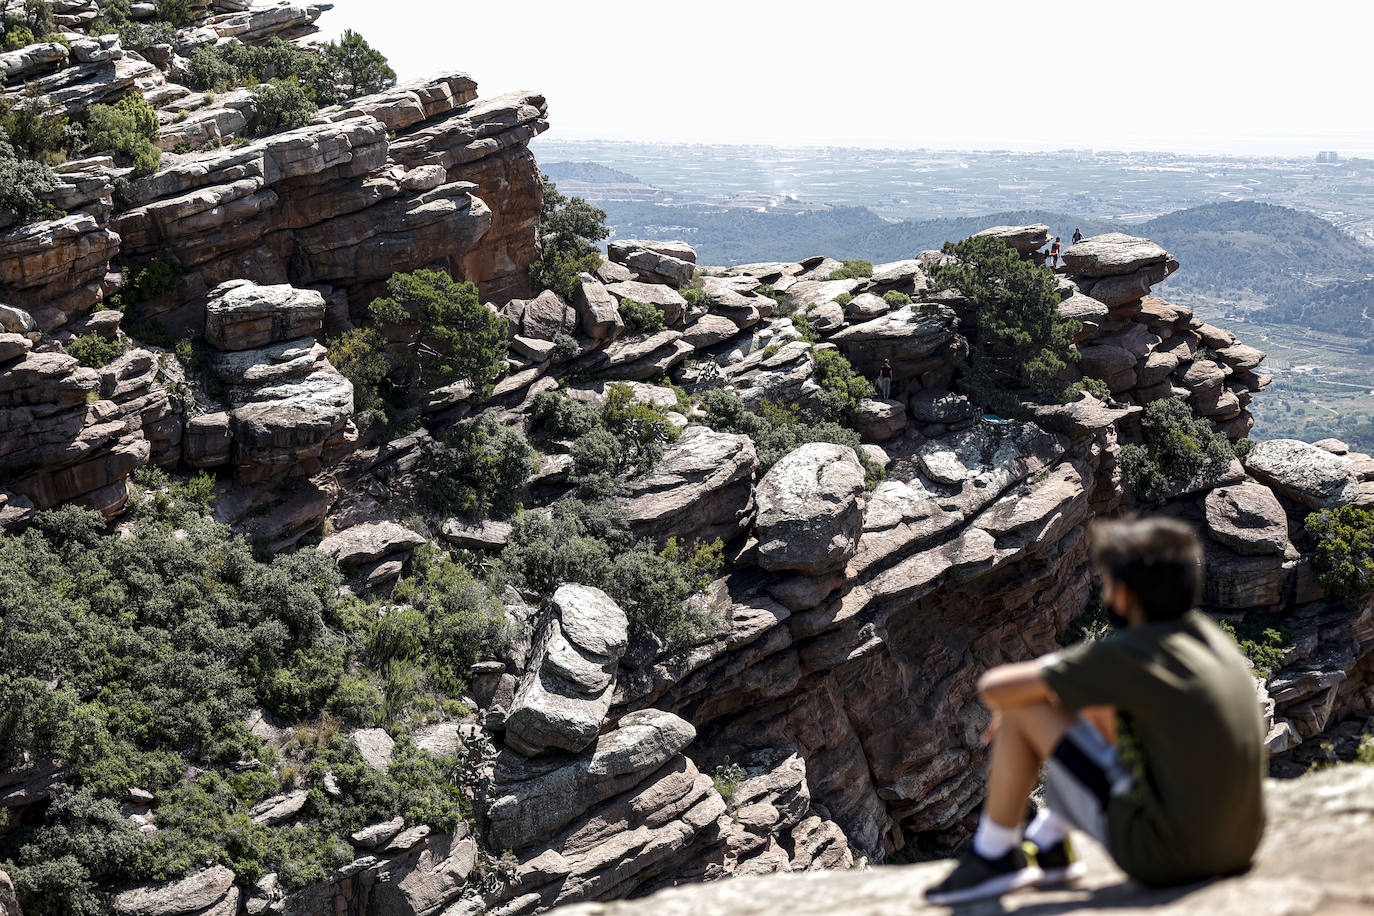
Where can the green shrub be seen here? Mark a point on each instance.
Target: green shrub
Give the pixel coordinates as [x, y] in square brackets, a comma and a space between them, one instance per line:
[853, 270]
[569, 229]
[557, 416]
[642, 317]
[176, 13]
[771, 293]
[479, 469]
[1262, 645]
[360, 355]
[93, 350]
[455, 337]
[844, 299]
[778, 429]
[1343, 551]
[462, 622]
[209, 68]
[18, 36]
[896, 299]
[642, 429]
[565, 347]
[37, 129]
[1094, 386]
[127, 129]
[282, 104]
[842, 387]
[1019, 343]
[149, 280]
[804, 328]
[1179, 447]
[584, 543]
[23, 183]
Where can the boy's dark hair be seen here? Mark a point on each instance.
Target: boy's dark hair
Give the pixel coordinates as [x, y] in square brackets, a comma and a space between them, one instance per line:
[1158, 559]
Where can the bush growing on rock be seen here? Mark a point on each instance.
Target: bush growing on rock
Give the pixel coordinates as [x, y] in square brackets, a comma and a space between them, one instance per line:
[23, 183]
[360, 355]
[479, 469]
[1179, 447]
[778, 429]
[453, 337]
[1343, 559]
[280, 105]
[127, 129]
[557, 416]
[569, 229]
[896, 299]
[148, 280]
[37, 129]
[588, 543]
[1019, 344]
[642, 317]
[853, 269]
[1262, 645]
[93, 350]
[843, 388]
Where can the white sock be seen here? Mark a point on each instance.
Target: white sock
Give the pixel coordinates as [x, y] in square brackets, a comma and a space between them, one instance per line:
[992, 840]
[1047, 829]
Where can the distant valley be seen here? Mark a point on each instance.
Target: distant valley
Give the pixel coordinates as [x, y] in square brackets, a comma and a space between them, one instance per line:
[1283, 246]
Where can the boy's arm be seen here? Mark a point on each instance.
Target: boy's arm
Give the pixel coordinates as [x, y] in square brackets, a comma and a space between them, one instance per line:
[1018, 684]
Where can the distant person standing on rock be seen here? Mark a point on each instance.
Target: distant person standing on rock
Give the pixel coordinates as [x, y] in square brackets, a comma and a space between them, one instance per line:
[1077, 236]
[1054, 253]
[885, 380]
[1151, 737]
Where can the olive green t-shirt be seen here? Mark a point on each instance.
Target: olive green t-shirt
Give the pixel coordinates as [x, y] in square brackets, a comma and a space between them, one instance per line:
[1190, 732]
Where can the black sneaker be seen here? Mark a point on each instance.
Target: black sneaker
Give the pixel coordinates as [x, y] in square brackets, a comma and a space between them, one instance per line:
[976, 878]
[1059, 864]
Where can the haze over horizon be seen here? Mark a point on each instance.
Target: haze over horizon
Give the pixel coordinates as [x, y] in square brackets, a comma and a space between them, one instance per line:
[1191, 78]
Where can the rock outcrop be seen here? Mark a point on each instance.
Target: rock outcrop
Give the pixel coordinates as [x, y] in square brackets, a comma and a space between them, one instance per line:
[1311, 861]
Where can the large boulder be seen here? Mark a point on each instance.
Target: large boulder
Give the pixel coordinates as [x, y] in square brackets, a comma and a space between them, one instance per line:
[1303, 473]
[914, 341]
[369, 542]
[535, 801]
[567, 690]
[242, 315]
[597, 314]
[700, 488]
[208, 891]
[674, 307]
[1247, 518]
[669, 263]
[1111, 255]
[1024, 239]
[810, 510]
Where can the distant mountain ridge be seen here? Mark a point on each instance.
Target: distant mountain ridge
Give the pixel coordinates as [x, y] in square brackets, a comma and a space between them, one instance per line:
[1297, 267]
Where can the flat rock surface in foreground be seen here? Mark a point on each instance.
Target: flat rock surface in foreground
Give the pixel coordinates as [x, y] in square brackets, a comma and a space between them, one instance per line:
[1315, 858]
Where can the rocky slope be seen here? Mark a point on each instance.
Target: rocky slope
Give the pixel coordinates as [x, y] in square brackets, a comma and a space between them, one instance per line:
[829, 718]
[1311, 861]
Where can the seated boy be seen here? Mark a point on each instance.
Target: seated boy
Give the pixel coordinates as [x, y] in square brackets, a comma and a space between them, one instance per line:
[1151, 738]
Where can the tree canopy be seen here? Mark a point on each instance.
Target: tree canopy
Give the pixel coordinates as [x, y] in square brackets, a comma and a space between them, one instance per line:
[1019, 344]
[569, 229]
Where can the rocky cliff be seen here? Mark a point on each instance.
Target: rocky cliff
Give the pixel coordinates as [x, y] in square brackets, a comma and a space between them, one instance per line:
[827, 718]
[422, 175]
[1311, 862]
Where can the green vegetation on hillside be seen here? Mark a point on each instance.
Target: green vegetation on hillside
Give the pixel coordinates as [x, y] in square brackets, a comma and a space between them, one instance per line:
[335, 72]
[133, 659]
[126, 129]
[587, 171]
[23, 184]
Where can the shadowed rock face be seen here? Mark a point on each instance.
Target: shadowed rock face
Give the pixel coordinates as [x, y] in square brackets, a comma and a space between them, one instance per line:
[1313, 860]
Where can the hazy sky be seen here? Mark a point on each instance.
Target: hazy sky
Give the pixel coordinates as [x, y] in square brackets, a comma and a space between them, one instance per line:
[1188, 75]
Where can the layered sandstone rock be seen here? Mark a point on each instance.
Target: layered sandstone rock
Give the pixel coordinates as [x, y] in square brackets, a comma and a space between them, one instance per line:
[1311, 861]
